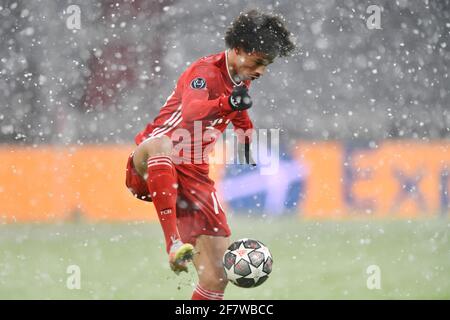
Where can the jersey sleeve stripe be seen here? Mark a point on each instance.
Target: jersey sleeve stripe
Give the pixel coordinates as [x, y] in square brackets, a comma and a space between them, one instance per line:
[163, 126]
[166, 125]
[169, 128]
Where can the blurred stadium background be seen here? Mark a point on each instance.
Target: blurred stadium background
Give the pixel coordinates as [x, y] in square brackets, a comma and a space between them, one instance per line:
[364, 123]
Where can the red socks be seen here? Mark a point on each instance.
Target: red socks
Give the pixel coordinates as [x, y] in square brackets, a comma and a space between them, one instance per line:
[203, 294]
[162, 186]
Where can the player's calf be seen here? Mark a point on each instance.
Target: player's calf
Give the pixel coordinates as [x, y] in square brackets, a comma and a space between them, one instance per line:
[208, 262]
[211, 285]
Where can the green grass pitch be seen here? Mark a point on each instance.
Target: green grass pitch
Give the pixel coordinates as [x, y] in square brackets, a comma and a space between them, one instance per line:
[312, 260]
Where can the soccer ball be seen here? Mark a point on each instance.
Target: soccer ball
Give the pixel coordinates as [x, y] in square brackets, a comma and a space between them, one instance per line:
[247, 263]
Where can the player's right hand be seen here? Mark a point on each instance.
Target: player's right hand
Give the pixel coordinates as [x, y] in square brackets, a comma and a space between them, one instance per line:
[240, 99]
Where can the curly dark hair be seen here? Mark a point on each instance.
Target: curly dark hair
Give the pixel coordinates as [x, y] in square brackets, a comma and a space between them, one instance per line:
[254, 31]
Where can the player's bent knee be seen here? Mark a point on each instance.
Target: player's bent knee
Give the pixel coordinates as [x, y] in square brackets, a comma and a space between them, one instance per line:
[155, 146]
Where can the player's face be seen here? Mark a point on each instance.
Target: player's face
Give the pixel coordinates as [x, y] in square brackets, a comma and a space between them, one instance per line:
[251, 66]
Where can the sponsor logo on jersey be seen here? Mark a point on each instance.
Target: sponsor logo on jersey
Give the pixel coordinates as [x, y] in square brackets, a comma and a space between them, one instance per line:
[198, 83]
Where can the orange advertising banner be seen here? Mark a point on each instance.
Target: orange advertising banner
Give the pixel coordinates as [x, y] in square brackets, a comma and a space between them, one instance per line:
[392, 179]
[63, 183]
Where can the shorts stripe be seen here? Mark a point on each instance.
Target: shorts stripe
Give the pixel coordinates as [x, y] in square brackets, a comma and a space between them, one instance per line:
[216, 208]
[217, 199]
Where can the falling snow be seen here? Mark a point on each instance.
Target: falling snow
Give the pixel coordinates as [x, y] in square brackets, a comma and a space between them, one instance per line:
[103, 83]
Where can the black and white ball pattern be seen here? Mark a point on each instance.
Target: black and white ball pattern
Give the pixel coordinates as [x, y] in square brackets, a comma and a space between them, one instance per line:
[247, 263]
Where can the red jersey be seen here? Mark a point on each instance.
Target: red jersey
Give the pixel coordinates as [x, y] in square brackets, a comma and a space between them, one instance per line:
[199, 103]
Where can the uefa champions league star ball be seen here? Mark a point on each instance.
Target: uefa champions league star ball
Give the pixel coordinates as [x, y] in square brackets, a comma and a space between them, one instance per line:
[247, 263]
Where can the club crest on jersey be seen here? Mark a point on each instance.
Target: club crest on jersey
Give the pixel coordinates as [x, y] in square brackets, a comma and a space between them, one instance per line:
[198, 83]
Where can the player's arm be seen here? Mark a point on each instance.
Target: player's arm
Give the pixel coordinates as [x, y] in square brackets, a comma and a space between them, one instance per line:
[196, 103]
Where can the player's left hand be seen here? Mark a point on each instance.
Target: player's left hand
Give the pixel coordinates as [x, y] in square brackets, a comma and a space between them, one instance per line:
[239, 98]
[245, 155]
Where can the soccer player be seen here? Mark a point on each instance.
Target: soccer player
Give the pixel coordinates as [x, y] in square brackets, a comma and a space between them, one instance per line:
[209, 95]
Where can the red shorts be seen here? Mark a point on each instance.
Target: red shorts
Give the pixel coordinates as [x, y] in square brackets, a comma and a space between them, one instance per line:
[199, 211]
